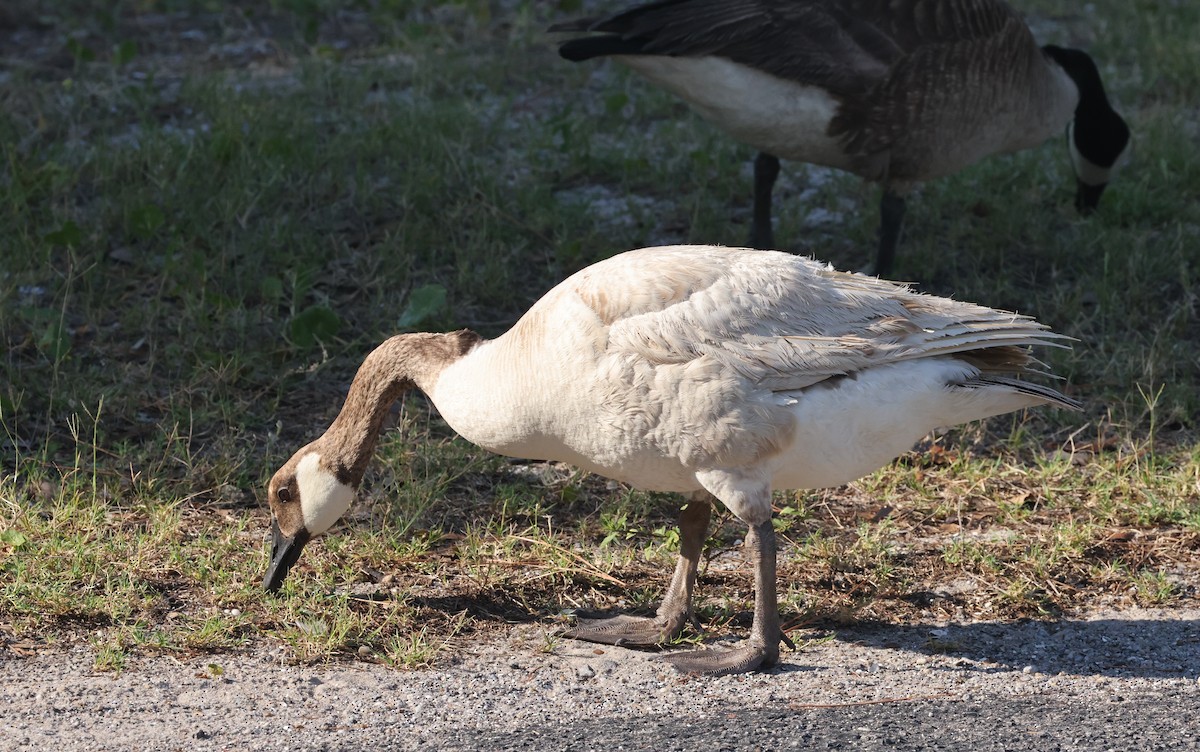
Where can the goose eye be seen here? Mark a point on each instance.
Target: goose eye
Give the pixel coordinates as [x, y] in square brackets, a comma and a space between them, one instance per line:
[284, 494]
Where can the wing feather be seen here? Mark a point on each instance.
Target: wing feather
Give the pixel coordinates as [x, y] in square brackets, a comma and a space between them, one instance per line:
[785, 322]
[844, 46]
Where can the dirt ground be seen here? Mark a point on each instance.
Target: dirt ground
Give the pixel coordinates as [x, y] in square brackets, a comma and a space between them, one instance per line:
[1113, 680]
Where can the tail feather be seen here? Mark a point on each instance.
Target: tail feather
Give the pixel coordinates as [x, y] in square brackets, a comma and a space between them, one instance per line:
[1052, 396]
[631, 31]
[586, 48]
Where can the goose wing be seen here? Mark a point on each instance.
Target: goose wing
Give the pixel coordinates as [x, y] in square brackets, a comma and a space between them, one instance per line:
[947, 88]
[844, 47]
[783, 322]
[820, 44]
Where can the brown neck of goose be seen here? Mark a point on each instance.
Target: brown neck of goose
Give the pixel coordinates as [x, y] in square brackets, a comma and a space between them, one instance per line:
[399, 364]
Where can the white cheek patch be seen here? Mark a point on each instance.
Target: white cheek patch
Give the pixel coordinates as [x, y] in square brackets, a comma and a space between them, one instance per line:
[1088, 172]
[323, 499]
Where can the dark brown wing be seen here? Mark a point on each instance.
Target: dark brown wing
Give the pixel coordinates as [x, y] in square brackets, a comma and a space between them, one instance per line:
[950, 84]
[911, 24]
[844, 46]
[817, 43]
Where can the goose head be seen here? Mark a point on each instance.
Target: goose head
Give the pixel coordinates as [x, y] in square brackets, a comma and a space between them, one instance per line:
[1097, 137]
[316, 486]
[306, 497]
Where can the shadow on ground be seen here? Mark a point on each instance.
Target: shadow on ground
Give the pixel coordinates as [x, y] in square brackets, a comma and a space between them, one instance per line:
[1123, 646]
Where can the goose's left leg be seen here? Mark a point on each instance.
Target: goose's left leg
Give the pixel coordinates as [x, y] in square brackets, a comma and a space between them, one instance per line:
[750, 501]
[762, 649]
[766, 170]
[891, 220]
[676, 607]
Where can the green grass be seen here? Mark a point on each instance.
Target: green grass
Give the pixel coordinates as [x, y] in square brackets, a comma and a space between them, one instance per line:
[209, 217]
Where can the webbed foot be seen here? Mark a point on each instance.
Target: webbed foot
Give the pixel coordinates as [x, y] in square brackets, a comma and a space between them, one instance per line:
[627, 630]
[740, 660]
[675, 610]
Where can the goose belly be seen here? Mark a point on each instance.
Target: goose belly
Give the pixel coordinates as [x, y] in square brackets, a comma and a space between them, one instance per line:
[850, 429]
[784, 118]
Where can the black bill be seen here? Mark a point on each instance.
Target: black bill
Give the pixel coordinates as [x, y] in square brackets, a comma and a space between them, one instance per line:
[284, 553]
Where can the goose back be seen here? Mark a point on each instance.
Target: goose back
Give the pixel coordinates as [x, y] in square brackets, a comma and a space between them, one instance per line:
[657, 364]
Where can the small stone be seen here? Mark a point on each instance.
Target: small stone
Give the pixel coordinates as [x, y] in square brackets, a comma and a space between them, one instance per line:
[123, 255]
[584, 672]
[1027, 670]
[364, 650]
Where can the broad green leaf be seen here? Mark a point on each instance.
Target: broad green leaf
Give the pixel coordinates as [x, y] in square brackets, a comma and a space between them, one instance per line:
[69, 235]
[270, 288]
[124, 52]
[145, 220]
[314, 323]
[81, 52]
[424, 302]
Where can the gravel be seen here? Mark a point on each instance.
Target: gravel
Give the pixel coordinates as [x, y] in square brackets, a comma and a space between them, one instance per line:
[1112, 680]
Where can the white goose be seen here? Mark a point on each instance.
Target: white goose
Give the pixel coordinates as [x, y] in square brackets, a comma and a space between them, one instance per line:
[709, 371]
[895, 92]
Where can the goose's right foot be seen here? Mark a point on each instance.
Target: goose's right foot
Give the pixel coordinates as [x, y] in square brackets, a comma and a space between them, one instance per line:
[629, 630]
[676, 609]
[740, 660]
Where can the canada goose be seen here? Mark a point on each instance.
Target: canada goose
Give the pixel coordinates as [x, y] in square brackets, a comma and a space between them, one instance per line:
[895, 92]
[708, 371]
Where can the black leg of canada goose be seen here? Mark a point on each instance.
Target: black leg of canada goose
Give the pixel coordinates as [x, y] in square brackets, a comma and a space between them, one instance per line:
[762, 649]
[676, 607]
[891, 219]
[766, 169]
